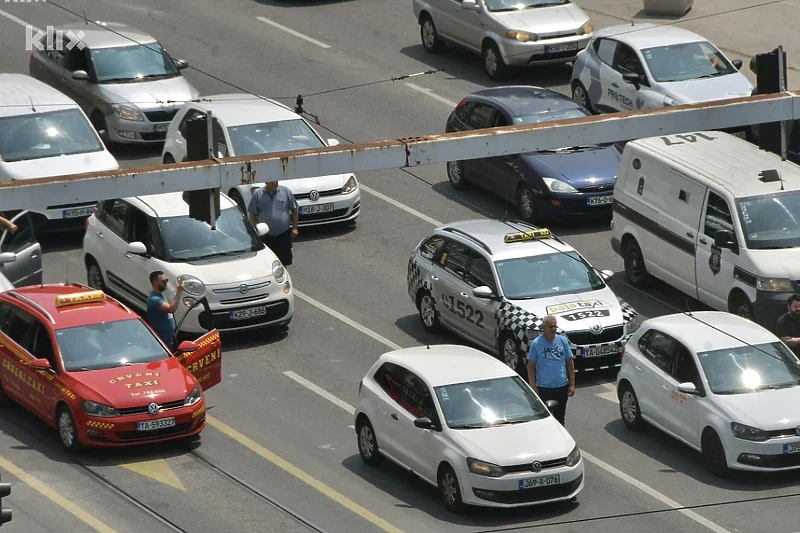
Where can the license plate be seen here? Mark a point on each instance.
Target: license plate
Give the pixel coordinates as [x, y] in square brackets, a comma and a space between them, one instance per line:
[791, 448]
[600, 200]
[554, 48]
[244, 314]
[539, 482]
[77, 212]
[310, 209]
[598, 351]
[158, 128]
[158, 423]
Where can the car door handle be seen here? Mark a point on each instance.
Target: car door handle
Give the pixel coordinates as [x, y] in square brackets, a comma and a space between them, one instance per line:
[690, 234]
[394, 415]
[34, 255]
[126, 254]
[638, 368]
[615, 85]
[434, 278]
[664, 387]
[100, 234]
[465, 295]
[703, 241]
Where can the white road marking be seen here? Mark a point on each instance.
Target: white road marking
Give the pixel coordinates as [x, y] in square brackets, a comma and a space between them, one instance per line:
[429, 92]
[19, 21]
[293, 32]
[352, 323]
[404, 207]
[322, 392]
[655, 494]
[610, 396]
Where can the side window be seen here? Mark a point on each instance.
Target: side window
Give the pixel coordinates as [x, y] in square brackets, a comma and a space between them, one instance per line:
[658, 348]
[718, 215]
[219, 139]
[391, 378]
[431, 247]
[23, 238]
[605, 49]
[191, 114]
[417, 398]
[482, 116]
[115, 213]
[455, 259]
[480, 273]
[463, 112]
[685, 367]
[5, 315]
[626, 60]
[77, 59]
[154, 243]
[42, 347]
[136, 227]
[20, 328]
[501, 120]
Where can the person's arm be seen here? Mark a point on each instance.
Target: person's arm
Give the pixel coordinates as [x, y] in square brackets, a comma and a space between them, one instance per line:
[171, 307]
[532, 374]
[252, 219]
[571, 374]
[8, 224]
[295, 221]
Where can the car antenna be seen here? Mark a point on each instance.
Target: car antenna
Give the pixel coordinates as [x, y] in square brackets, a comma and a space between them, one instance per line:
[33, 106]
[630, 15]
[85, 20]
[428, 346]
[688, 308]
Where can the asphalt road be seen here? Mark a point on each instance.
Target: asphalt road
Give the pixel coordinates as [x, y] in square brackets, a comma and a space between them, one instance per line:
[280, 421]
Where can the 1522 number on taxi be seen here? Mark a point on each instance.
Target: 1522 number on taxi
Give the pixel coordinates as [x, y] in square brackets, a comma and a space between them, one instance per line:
[463, 310]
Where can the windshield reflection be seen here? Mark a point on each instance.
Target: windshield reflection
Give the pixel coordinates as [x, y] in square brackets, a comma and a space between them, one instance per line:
[547, 275]
[747, 369]
[187, 239]
[108, 345]
[771, 221]
[141, 62]
[686, 61]
[268, 137]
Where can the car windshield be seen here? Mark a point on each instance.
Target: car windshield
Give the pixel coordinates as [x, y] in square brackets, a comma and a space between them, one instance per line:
[139, 62]
[547, 275]
[489, 402]
[544, 116]
[516, 5]
[686, 61]
[772, 221]
[747, 369]
[39, 135]
[108, 345]
[264, 138]
[187, 239]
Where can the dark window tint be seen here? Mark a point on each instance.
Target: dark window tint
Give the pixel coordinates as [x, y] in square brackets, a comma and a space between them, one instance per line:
[20, 327]
[43, 345]
[455, 259]
[417, 397]
[685, 368]
[136, 228]
[462, 113]
[191, 114]
[480, 273]
[481, 117]
[626, 60]
[718, 215]
[430, 248]
[390, 377]
[114, 213]
[658, 348]
[605, 49]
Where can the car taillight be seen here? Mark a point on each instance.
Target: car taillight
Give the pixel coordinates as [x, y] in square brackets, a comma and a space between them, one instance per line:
[461, 103]
[360, 384]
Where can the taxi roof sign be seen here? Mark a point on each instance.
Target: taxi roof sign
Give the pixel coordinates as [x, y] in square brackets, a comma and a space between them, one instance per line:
[80, 298]
[540, 233]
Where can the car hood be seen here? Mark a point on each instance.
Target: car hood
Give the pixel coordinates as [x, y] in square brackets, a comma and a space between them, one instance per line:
[768, 409]
[149, 95]
[538, 440]
[583, 168]
[545, 20]
[248, 267]
[703, 90]
[318, 183]
[137, 385]
[777, 263]
[60, 165]
[564, 307]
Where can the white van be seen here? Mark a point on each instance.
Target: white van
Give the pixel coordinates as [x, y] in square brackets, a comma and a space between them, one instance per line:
[713, 216]
[45, 133]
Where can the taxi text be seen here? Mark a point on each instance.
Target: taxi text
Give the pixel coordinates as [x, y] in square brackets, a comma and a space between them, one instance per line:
[22, 376]
[205, 361]
[572, 306]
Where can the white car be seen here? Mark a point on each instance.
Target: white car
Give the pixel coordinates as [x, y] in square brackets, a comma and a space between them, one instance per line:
[232, 280]
[245, 124]
[718, 382]
[467, 424]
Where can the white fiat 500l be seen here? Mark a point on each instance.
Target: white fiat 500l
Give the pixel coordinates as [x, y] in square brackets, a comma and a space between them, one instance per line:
[719, 383]
[232, 280]
[467, 424]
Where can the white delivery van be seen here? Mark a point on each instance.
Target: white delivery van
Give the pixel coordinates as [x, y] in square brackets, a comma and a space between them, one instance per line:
[713, 216]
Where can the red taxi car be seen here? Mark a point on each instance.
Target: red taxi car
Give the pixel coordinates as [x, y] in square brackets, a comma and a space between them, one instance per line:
[93, 369]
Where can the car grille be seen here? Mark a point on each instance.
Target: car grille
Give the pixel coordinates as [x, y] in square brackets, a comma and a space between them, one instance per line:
[558, 35]
[554, 463]
[597, 188]
[604, 362]
[782, 433]
[331, 192]
[313, 217]
[773, 461]
[69, 206]
[155, 136]
[549, 57]
[160, 116]
[586, 337]
[253, 287]
[530, 495]
[243, 300]
[143, 409]
[144, 435]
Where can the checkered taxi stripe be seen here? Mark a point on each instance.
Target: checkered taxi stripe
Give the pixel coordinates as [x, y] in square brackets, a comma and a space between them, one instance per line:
[212, 338]
[416, 281]
[99, 425]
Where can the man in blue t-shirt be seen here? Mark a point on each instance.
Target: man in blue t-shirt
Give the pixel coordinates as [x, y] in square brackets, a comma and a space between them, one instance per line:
[159, 310]
[551, 367]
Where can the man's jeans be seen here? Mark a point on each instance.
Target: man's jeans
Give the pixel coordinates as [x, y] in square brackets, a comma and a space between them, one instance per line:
[559, 394]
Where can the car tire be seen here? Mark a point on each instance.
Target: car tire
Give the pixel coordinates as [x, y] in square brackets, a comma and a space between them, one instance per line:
[455, 175]
[450, 490]
[629, 408]
[714, 454]
[511, 354]
[67, 429]
[493, 62]
[428, 314]
[635, 269]
[368, 443]
[99, 123]
[581, 97]
[526, 203]
[740, 305]
[168, 159]
[236, 196]
[94, 275]
[431, 41]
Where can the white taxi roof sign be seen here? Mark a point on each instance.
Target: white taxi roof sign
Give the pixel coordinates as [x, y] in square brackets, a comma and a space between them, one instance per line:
[540, 233]
[80, 298]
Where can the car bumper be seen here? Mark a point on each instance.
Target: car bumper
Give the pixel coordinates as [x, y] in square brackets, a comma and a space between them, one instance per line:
[65, 217]
[329, 210]
[505, 491]
[576, 205]
[763, 456]
[135, 132]
[768, 307]
[275, 313]
[539, 53]
[122, 431]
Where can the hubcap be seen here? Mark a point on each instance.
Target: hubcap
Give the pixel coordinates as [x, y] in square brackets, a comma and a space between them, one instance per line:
[635, 266]
[365, 441]
[66, 429]
[427, 311]
[454, 171]
[491, 61]
[579, 96]
[428, 33]
[449, 489]
[744, 311]
[526, 203]
[629, 406]
[510, 353]
[94, 279]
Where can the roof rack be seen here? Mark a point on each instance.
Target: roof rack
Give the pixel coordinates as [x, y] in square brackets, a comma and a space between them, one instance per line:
[30, 302]
[470, 237]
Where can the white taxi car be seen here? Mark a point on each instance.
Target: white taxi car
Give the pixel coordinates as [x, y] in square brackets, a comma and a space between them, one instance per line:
[232, 280]
[467, 424]
[718, 382]
[492, 282]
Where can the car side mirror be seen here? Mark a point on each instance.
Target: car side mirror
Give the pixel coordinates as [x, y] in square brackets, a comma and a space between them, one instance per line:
[737, 64]
[262, 229]
[333, 142]
[633, 77]
[483, 292]
[724, 239]
[687, 388]
[552, 405]
[606, 274]
[80, 75]
[181, 64]
[137, 248]
[7, 257]
[187, 346]
[426, 423]
[470, 5]
[40, 364]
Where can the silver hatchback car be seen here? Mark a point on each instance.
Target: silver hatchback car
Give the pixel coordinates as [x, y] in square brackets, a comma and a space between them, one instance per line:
[122, 78]
[506, 32]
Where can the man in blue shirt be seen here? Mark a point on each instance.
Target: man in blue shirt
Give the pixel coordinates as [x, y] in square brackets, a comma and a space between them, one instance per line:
[551, 367]
[276, 206]
[159, 310]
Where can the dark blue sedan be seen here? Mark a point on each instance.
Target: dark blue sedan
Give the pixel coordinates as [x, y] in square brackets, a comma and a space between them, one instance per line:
[566, 183]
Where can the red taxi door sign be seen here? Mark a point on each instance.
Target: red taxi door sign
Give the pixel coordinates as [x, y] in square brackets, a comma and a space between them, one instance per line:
[205, 363]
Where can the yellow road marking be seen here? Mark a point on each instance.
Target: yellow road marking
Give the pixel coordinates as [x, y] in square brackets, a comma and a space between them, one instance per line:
[157, 469]
[302, 476]
[55, 497]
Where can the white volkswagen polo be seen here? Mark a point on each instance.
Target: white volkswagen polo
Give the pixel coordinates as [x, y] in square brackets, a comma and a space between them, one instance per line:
[468, 424]
[721, 384]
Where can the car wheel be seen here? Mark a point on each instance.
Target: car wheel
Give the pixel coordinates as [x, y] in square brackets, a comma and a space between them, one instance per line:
[526, 203]
[99, 123]
[581, 97]
[512, 355]
[428, 314]
[714, 454]
[94, 276]
[741, 306]
[168, 159]
[368, 444]
[430, 38]
[236, 196]
[455, 175]
[449, 490]
[493, 62]
[67, 430]
[635, 269]
[629, 408]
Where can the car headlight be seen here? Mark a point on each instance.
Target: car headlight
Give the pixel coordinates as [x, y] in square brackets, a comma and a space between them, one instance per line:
[558, 186]
[192, 285]
[482, 468]
[670, 101]
[522, 36]
[741, 431]
[774, 284]
[278, 271]
[127, 112]
[98, 409]
[587, 28]
[188, 301]
[350, 186]
[574, 457]
[195, 396]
